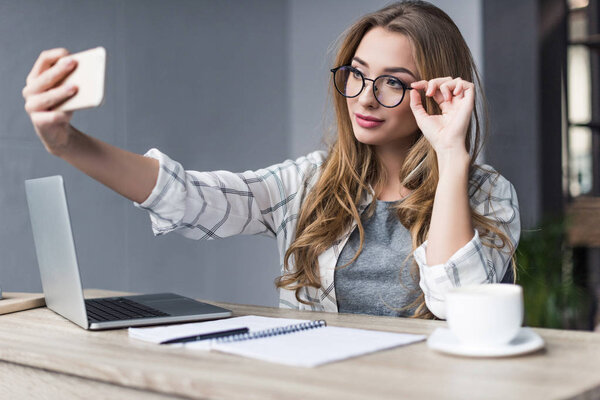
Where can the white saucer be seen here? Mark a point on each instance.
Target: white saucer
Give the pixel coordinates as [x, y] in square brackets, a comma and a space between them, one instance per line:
[526, 341]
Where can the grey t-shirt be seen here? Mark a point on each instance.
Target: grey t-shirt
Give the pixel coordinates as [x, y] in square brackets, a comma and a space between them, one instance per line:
[379, 281]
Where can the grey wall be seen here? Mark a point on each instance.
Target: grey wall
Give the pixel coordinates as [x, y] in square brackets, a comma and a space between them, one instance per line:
[511, 80]
[201, 80]
[174, 82]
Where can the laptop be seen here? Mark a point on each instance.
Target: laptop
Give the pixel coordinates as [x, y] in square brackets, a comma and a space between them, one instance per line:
[61, 281]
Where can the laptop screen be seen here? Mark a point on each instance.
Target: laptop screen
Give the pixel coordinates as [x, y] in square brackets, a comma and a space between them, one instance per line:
[55, 248]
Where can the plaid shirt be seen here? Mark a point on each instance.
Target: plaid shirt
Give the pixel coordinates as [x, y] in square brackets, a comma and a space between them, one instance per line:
[212, 205]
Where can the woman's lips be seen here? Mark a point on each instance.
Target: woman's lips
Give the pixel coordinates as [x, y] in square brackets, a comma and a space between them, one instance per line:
[367, 122]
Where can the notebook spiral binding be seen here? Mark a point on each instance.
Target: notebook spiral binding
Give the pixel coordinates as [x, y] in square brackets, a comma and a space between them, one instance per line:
[284, 330]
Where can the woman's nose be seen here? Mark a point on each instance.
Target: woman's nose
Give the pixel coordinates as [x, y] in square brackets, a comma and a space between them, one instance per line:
[366, 97]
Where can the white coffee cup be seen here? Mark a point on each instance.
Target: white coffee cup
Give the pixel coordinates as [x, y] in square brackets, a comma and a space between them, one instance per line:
[485, 315]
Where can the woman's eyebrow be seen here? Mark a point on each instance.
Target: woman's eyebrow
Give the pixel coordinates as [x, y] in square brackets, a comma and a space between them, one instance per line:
[395, 69]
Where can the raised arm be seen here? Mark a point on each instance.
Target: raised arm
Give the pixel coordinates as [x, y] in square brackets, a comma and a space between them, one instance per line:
[451, 226]
[129, 174]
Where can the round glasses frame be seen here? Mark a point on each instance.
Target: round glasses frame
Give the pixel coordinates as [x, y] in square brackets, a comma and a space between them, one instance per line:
[364, 79]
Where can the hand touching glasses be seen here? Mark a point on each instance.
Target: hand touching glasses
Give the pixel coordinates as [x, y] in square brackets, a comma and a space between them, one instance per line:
[446, 132]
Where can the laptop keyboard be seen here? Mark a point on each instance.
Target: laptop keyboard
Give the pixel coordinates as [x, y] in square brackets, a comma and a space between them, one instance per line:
[116, 309]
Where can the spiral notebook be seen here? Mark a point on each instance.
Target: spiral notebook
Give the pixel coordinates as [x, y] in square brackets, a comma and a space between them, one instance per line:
[285, 341]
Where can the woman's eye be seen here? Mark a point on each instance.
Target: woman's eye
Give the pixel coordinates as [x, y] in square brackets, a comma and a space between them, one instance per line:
[356, 73]
[393, 83]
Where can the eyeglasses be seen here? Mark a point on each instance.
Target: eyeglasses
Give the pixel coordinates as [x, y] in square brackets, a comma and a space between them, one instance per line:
[388, 90]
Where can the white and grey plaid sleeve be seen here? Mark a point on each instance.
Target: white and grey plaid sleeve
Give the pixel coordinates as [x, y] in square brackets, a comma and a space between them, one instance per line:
[211, 205]
[492, 196]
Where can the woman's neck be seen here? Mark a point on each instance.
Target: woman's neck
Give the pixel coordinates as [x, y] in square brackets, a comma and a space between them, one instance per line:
[392, 158]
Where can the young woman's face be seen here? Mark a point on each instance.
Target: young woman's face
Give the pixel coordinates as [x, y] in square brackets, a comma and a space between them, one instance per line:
[382, 52]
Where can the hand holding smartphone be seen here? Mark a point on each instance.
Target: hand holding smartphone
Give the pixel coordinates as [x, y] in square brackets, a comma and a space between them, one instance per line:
[89, 77]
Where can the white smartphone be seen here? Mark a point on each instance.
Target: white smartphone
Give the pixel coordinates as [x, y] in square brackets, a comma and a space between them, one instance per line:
[89, 77]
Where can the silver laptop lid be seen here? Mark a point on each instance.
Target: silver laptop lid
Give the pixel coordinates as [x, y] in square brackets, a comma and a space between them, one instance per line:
[55, 248]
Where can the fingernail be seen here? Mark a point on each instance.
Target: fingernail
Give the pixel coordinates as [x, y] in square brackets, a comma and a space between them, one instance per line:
[68, 63]
[72, 89]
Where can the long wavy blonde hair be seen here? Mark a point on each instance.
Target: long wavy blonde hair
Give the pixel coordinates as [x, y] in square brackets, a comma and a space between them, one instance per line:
[351, 167]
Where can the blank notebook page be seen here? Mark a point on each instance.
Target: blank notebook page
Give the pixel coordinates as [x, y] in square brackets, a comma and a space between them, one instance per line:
[317, 346]
[312, 347]
[305, 348]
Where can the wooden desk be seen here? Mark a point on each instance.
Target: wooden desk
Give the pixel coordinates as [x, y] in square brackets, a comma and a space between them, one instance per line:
[44, 355]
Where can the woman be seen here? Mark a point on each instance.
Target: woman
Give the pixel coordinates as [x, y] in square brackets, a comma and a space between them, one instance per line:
[385, 222]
